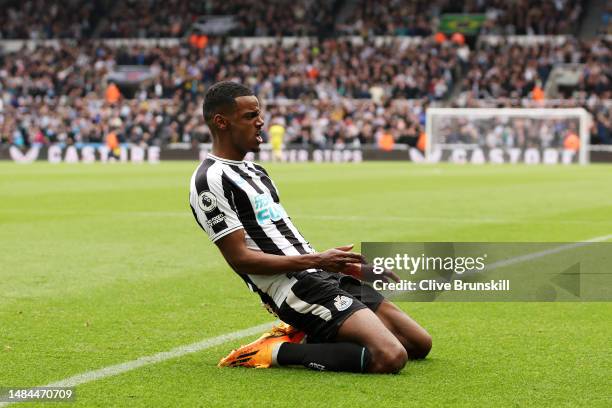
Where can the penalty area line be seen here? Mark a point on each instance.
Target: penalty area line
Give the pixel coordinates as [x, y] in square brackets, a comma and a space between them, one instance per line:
[180, 351]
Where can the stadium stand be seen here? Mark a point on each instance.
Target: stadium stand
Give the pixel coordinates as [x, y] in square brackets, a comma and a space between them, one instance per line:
[343, 85]
[518, 17]
[389, 17]
[41, 19]
[524, 17]
[510, 69]
[175, 18]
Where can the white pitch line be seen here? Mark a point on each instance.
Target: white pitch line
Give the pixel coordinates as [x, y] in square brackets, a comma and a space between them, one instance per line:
[154, 359]
[546, 252]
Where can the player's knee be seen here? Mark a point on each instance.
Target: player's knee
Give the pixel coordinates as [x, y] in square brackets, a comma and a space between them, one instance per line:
[390, 360]
[422, 347]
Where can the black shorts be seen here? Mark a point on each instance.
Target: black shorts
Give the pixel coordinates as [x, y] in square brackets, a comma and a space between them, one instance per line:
[319, 302]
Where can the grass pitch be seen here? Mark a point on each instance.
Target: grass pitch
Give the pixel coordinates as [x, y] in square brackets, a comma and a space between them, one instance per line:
[102, 264]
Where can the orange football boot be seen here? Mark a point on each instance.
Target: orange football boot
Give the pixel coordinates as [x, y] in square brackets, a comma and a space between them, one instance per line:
[258, 354]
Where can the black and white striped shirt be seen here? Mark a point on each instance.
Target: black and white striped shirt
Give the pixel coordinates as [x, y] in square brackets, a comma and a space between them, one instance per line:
[227, 195]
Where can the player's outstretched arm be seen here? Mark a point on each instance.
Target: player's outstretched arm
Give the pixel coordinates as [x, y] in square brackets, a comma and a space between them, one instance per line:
[245, 260]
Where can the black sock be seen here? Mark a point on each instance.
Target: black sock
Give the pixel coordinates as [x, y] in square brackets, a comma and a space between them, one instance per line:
[349, 357]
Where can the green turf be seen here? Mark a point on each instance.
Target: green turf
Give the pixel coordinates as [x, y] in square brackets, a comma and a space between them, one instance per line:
[102, 264]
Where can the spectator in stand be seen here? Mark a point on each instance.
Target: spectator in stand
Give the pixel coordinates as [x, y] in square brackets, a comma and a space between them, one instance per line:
[112, 93]
[601, 130]
[385, 141]
[606, 20]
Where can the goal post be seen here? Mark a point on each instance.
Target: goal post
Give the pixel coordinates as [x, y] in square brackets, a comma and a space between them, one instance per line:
[507, 135]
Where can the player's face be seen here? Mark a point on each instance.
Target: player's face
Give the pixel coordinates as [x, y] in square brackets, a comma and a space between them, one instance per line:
[246, 125]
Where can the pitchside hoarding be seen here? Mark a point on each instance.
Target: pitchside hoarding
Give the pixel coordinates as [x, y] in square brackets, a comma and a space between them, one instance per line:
[155, 154]
[81, 154]
[462, 154]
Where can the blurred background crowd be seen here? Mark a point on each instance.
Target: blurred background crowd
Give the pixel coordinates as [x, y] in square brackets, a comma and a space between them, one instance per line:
[331, 73]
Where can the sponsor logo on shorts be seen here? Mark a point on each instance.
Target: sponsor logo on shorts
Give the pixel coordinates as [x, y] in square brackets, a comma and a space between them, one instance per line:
[342, 302]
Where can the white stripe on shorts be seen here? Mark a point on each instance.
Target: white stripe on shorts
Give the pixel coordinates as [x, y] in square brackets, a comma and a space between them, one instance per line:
[300, 306]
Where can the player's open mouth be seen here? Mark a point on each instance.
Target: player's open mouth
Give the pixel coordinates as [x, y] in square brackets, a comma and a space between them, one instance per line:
[258, 137]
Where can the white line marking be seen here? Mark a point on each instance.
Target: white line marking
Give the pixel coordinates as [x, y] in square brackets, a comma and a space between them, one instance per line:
[155, 358]
[546, 252]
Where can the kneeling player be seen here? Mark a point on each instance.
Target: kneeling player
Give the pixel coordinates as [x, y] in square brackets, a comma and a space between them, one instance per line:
[349, 326]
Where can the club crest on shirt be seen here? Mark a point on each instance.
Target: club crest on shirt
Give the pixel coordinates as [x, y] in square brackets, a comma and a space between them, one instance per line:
[207, 201]
[342, 302]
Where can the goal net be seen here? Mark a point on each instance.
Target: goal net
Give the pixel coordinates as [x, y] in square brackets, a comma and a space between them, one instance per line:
[507, 135]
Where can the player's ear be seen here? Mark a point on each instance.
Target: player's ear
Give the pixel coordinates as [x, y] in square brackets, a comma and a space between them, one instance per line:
[220, 121]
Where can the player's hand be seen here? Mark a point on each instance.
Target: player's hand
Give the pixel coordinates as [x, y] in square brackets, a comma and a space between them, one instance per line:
[336, 259]
[366, 273]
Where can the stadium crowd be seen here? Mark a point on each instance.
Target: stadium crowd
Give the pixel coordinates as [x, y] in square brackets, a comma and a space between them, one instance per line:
[64, 82]
[42, 90]
[523, 17]
[161, 121]
[43, 19]
[508, 132]
[328, 69]
[511, 70]
[390, 17]
[420, 17]
[175, 18]
[325, 91]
